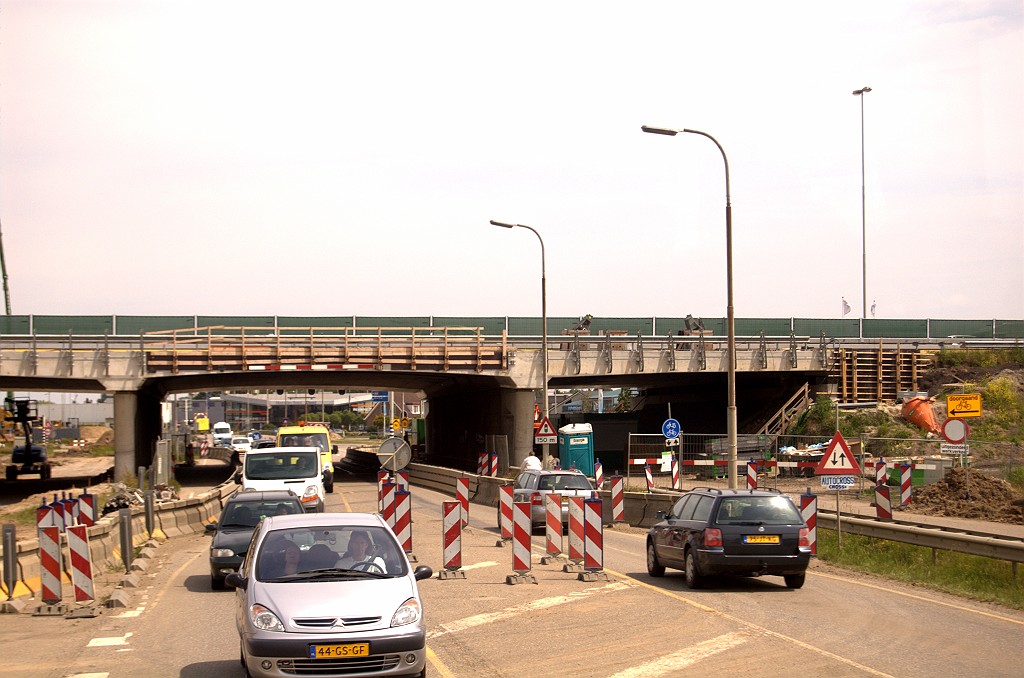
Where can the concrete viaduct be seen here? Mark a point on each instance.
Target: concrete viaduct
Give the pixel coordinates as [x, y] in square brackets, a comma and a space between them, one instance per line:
[473, 384]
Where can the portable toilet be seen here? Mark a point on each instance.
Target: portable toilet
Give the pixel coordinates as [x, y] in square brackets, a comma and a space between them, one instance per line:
[576, 447]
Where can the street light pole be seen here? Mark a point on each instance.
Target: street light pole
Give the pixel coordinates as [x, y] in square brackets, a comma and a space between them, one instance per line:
[863, 213]
[730, 413]
[543, 318]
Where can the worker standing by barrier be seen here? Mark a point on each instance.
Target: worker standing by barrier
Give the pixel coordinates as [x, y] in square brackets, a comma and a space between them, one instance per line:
[451, 541]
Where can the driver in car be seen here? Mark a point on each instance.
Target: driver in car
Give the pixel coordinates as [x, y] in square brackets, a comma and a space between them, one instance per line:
[360, 550]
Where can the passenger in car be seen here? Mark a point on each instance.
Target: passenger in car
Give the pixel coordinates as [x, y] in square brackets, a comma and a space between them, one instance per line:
[360, 549]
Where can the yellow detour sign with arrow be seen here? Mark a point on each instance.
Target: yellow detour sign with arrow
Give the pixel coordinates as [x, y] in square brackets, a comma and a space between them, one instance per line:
[963, 404]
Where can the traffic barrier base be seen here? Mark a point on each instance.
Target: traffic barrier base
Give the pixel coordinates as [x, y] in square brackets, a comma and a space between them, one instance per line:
[520, 578]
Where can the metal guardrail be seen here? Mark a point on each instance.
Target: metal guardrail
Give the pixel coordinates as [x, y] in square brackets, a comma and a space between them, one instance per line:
[1000, 548]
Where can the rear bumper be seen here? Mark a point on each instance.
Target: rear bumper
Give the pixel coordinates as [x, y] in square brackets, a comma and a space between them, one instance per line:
[715, 561]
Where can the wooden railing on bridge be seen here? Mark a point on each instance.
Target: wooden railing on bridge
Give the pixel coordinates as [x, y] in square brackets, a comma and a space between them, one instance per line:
[225, 348]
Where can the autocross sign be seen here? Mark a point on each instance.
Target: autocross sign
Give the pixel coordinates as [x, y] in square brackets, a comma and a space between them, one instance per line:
[838, 482]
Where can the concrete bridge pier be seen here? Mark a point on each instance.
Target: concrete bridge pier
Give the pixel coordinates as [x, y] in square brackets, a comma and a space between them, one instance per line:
[125, 411]
[517, 423]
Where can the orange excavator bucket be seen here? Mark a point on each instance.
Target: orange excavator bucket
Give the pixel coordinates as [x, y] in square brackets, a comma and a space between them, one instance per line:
[918, 411]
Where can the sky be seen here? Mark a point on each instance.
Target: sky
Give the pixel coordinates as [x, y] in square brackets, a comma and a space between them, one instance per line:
[345, 158]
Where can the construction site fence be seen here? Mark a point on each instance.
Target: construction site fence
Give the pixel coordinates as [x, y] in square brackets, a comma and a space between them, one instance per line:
[705, 455]
[932, 329]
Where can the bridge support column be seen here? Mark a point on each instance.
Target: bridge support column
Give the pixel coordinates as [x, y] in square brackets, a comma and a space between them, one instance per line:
[517, 420]
[125, 414]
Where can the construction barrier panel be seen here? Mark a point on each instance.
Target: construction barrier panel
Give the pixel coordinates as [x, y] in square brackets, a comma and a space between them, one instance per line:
[577, 534]
[403, 519]
[598, 474]
[81, 563]
[451, 540]
[389, 504]
[50, 565]
[402, 477]
[883, 503]
[675, 473]
[462, 495]
[521, 544]
[650, 479]
[809, 511]
[553, 531]
[618, 503]
[505, 507]
[593, 545]
[382, 477]
[87, 509]
[881, 472]
[906, 492]
[751, 475]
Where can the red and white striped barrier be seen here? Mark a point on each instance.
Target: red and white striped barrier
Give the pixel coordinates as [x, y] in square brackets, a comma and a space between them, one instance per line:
[81, 563]
[87, 509]
[382, 477]
[451, 541]
[751, 475]
[883, 503]
[494, 465]
[675, 473]
[618, 505]
[906, 491]
[593, 545]
[46, 516]
[59, 519]
[650, 479]
[388, 501]
[79, 443]
[577, 534]
[70, 510]
[481, 463]
[403, 520]
[809, 511]
[462, 494]
[553, 526]
[402, 477]
[505, 506]
[881, 472]
[521, 530]
[50, 565]
[598, 474]
[204, 449]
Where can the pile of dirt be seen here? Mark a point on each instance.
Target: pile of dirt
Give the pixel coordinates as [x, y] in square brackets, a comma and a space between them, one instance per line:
[97, 435]
[991, 499]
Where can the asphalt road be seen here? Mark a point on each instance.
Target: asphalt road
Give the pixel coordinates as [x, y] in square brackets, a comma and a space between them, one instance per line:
[630, 625]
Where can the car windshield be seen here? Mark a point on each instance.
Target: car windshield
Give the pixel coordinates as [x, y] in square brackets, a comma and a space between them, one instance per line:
[281, 465]
[564, 481]
[319, 553]
[764, 510]
[318, 440]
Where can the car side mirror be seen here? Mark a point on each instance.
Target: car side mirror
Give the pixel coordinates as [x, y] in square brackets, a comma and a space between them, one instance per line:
[236, 580]
[211, 527]
[422, 572]
[660, 515]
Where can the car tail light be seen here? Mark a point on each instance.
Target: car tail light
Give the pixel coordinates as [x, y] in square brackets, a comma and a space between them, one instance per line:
[805, 538]
[537, 498]
[712, 536]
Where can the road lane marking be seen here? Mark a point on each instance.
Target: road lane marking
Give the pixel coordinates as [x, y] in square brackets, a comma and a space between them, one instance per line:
[171, 579]
[921, 598]
[485, 563]
[109, 642]
[684, 658]
[439, 666]
[753, 626]
[533, 606]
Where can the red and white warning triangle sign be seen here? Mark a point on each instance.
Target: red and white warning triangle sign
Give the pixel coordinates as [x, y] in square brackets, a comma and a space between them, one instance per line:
[837, 460]
[545, 430]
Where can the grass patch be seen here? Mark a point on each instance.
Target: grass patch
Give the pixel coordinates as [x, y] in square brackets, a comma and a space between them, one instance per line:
[960, 574]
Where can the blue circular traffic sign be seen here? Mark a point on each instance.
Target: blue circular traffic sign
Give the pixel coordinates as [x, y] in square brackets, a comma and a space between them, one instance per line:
[671, 429]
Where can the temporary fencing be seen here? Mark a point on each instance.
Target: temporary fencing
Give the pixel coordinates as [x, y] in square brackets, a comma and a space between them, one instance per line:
[451, 540]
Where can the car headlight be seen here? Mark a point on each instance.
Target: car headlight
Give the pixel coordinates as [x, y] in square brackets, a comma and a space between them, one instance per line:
[310, 492]
[407, 613]
[221, 553]
[264, 619]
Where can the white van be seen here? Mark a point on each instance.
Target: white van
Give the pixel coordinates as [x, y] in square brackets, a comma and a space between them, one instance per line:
[222, 433]
[296, 469]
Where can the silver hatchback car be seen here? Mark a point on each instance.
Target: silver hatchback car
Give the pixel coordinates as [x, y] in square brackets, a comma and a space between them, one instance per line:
[329, 594]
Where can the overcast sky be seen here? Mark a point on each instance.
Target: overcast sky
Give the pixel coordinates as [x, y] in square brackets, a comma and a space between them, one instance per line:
[344, 158]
